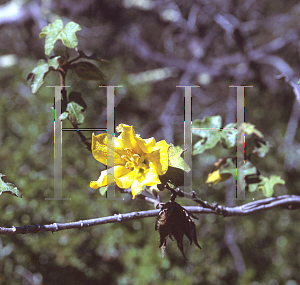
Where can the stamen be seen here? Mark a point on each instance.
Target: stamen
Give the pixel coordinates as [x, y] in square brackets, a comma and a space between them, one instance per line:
[133, 160]
[125, 157]
[128, 165]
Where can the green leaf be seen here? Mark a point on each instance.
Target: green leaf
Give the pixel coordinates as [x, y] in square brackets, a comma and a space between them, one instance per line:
[102, 190]
[262, 149]
[174, 177]
[75, 113]
[252, 187]
[175, 159]
[250, 175]
[213, 122]
[228, 135]
[299, 82]
[209, 131]
[64, 116]
[92, 56]
[249, 168]
[87, 71]
[37, 75]
[56, 31]
[77, 98]
[250, 129]
[227, 167]
[266, 184]
[6, 187]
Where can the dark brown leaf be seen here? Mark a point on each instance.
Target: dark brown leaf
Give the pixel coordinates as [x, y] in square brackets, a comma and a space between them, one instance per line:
[174, 220]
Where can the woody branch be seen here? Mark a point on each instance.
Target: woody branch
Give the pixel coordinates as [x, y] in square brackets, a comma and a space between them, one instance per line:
[290, 202]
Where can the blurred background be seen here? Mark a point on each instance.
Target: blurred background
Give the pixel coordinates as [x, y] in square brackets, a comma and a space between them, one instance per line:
[152, 46]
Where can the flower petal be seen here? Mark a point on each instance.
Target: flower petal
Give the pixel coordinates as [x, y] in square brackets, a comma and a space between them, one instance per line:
[119, 171]
[127, 137]
[102, 180]
[125, 181]
[159, 157]
[146, 145]
[99, 149]
[136, 188]
[151, 178]
[163, 157]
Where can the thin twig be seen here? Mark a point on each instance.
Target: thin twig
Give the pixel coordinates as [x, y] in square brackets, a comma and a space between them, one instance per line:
[82, 137]
[290, 202]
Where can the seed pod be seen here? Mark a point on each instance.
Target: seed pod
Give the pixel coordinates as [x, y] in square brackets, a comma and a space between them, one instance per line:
[87, 71]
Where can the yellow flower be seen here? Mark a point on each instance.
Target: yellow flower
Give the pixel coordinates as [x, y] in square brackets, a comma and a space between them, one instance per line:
[214, 177]
[137, 162]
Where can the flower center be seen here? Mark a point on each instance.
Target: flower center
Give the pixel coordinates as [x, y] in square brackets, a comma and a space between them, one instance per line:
[135, 161]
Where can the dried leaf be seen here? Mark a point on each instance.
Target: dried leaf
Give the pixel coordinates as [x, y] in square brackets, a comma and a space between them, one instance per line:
[174, 220]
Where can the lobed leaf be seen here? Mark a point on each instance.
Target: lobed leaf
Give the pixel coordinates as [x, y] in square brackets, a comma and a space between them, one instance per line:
[209, 130]
[37, 75]
[250, 129]
[6, 187]
[55, 31]
[228, 135]
[266, 184]
[75, 113]
[175, 159]
[262, 148]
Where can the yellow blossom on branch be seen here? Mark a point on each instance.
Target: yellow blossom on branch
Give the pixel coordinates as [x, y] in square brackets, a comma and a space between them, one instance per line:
[214, 177]
[137, 162]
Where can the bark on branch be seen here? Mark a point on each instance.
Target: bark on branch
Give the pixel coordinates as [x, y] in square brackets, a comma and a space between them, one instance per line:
[290, 202]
